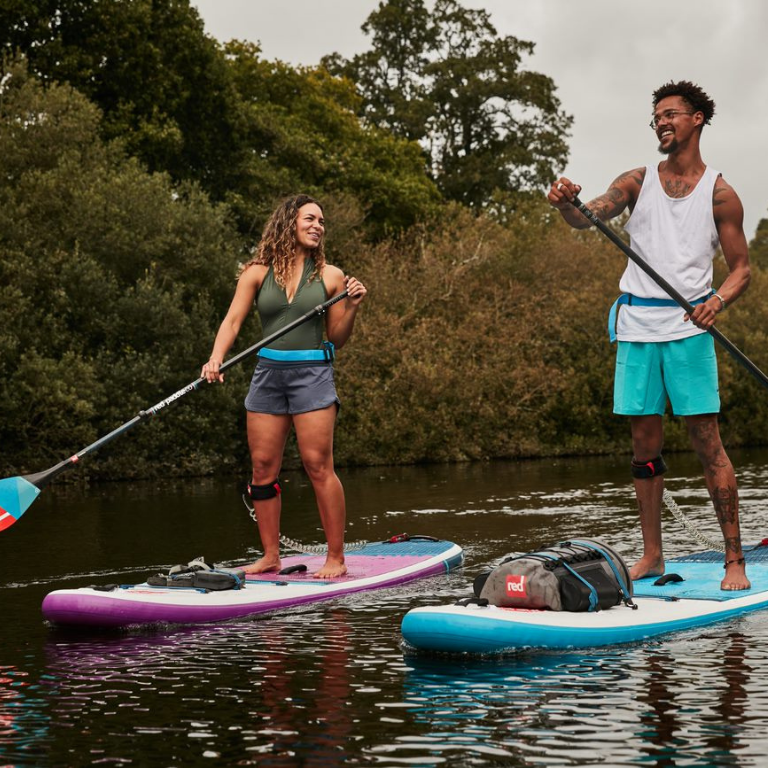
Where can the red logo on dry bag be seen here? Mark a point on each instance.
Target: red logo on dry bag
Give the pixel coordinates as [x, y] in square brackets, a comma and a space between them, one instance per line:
[516, 585]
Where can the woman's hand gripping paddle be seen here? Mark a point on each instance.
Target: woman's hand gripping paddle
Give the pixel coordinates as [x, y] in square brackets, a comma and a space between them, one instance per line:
[18, 493]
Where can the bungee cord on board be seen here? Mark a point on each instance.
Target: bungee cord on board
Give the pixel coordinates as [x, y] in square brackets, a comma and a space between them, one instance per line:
[671, 505]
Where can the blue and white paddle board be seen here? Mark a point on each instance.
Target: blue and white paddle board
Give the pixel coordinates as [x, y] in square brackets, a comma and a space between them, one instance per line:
[375, 566]
[694, 602]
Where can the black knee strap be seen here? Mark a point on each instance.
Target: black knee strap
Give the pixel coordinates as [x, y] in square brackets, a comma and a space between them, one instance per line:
[645, 470]
[264, 492]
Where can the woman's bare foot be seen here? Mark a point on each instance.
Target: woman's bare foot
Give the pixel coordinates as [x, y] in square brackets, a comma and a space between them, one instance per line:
[332, 569]
[735, 576]
[647, 566]
[264, 565]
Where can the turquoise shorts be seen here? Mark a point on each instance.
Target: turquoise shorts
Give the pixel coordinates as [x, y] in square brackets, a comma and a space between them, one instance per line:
[683, 371]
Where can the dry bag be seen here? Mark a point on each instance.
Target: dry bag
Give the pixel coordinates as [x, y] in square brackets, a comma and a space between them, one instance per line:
[575, 575]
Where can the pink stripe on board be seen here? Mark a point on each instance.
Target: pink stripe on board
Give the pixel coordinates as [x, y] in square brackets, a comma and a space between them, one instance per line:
[358, 567]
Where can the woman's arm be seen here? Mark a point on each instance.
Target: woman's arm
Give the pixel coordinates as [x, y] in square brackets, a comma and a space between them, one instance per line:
[248, 285]
[340, 318]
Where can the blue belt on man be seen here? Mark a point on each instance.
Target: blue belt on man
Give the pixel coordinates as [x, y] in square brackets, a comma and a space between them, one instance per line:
[640, 301]
[327, 354]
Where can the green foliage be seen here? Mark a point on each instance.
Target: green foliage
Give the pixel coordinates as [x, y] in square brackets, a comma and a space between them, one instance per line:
[475, 345]
[483, 340]
[161, 82]
[302, 132]
[449, 81]
[113, 284]
[758, 248]
[744, 416]
[247, 130]
[483, 335]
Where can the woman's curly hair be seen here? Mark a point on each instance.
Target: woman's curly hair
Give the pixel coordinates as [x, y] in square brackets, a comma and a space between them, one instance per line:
[278, 241]
[695, 96]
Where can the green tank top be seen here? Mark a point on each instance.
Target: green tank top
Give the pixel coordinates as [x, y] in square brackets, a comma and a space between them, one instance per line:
[276, 311]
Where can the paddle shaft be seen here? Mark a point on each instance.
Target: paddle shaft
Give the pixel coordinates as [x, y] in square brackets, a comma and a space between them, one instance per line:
[41, 479]
[729, 346]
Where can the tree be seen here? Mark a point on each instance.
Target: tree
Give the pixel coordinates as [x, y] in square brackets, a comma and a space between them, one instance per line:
[112, 284]
[161, 83]
[249, 131]
[449, 81]
[301, 131]
[758, 248]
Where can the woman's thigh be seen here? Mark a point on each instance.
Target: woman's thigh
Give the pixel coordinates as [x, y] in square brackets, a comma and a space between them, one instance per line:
[267, 434]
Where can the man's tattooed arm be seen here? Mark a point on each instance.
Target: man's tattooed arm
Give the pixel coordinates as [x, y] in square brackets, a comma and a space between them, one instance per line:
[623, 192]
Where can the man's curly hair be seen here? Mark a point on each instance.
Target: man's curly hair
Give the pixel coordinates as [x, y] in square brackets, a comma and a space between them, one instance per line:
[278, 241]
[695, 96]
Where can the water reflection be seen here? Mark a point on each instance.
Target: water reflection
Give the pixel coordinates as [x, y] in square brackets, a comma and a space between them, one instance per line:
[261, 691]
[307, 713]
[330, 684]
[727, 704]
[24, 726]
[684, 703]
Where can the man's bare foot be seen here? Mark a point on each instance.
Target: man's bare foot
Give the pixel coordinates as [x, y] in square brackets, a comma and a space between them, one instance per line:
[735, 576]
[646, 566]
[264, 565]
[332, 569]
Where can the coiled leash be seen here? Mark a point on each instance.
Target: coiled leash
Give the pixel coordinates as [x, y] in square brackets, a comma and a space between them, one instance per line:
[272, 490]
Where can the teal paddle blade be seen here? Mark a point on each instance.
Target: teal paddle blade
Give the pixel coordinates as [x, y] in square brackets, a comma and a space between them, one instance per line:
[16, 496]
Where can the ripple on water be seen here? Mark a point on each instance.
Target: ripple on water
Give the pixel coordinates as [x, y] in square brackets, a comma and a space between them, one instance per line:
[332, 682]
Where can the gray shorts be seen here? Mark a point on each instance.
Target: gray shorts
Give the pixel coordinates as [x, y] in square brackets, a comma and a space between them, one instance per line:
[280, 388]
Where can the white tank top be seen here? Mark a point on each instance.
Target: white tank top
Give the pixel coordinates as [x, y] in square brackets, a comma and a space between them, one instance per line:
[678, 238]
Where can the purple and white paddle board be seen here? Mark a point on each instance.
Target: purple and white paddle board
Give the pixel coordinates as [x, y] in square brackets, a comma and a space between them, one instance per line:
[375, 566]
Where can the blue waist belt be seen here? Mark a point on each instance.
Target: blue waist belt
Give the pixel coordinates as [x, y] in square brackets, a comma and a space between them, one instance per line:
[326, 354]
[639, 301]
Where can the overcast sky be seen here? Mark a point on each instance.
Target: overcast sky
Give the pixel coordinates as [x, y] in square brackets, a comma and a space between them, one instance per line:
[605, 57]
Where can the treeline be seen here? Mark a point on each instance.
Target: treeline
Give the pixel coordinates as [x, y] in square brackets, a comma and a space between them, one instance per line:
[139, 158]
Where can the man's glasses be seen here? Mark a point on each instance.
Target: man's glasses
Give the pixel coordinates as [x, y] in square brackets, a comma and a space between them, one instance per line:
[667, 114]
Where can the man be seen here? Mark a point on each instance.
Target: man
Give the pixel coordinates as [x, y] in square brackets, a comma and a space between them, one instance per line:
[680, 211]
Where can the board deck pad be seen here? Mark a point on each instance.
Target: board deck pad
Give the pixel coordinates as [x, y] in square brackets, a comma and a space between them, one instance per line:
[358, 567]
[701, 581]
[702, 573]
[374, 566]
[696, 601]
[372, 560]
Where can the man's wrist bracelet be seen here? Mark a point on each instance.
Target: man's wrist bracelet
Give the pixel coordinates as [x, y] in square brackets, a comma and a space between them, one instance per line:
[722, 301]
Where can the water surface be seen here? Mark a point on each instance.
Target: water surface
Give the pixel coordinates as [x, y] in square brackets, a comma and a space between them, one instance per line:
[332, 684]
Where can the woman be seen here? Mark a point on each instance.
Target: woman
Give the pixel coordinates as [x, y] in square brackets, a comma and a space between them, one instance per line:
[293, 380]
